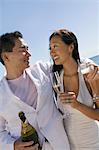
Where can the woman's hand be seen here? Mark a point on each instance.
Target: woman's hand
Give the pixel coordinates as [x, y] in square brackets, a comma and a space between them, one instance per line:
[93, 79]
[69, 98]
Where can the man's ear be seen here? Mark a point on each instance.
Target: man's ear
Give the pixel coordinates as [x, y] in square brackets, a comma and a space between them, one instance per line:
[4, 56]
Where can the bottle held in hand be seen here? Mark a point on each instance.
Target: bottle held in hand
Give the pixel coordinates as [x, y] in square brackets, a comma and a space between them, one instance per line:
[28, 132]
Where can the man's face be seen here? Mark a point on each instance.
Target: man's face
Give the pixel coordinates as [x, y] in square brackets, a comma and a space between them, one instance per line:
[19, 57]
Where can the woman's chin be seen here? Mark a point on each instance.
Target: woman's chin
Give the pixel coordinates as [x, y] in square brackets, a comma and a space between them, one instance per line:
[57, 63]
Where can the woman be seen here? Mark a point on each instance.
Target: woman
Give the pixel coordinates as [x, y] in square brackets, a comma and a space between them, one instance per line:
[78, 99]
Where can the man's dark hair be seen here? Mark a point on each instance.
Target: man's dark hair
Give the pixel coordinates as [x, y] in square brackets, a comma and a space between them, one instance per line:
[7, 42]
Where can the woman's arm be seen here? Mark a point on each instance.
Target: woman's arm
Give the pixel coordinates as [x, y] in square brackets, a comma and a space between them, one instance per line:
[92, 79]
[88, 111]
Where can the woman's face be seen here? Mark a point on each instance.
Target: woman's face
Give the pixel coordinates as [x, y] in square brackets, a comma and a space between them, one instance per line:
[59, 51]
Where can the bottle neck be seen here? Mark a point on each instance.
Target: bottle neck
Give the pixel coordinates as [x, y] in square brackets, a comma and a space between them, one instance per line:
[25, 123]
[22, 116]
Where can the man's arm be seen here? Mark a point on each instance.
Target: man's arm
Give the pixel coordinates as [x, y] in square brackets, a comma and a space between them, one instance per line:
[9, 143]
[6, 141]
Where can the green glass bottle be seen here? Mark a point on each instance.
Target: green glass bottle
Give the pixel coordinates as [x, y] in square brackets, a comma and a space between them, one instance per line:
[28, 132]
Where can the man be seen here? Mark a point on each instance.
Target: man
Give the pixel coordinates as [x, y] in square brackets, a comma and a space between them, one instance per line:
[27, 89]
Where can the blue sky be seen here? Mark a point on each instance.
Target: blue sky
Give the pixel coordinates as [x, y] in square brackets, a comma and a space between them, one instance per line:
[37, 19]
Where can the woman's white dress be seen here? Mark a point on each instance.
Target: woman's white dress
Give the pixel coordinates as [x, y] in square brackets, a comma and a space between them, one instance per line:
[82, 131]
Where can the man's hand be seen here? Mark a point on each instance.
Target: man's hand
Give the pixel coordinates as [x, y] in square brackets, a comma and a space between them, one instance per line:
[19, 145]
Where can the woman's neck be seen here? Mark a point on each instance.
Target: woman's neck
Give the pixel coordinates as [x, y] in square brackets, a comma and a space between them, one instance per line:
[70, 68]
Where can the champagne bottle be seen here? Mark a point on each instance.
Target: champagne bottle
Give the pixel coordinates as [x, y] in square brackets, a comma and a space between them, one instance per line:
[28, 132]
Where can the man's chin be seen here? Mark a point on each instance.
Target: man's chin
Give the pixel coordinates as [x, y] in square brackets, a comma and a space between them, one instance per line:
[27, 66]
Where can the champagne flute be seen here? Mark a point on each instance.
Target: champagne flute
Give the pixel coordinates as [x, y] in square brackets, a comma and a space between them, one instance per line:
[56, 82]
[57, 86]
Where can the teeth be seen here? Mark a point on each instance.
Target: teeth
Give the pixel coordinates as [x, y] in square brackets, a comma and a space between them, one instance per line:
[55, 57]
